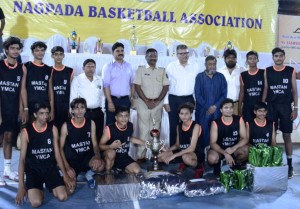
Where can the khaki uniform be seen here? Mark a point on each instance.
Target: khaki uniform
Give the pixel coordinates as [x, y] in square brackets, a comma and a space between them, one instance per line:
[151, 82]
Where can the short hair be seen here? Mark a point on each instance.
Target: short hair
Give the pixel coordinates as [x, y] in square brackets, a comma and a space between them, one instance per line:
[116, 45]
[181, 46]
[260, 105]
[57, 49]
[39, 44]
[251, 53]
[120, 109]
[11, 41]
[187, 105]
[87, 61]
[38, 106]
[210, 57]
[151, 50]
[228, 52]
[276, 50]
[76, 101]
[226, 101]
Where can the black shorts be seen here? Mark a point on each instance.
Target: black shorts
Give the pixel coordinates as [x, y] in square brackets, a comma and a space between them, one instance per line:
[80, 166]
[9, 123]
[122, 161]
[50, 176]
[281, 115]
[248, 112]
[200, 157]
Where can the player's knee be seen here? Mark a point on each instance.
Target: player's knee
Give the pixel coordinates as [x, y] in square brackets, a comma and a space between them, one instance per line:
[36, 203]
[110, 154]
[63, 196]
[212, 158]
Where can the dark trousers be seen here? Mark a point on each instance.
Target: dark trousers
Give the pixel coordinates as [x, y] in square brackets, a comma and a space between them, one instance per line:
[175, 102]
[98, 117]
[122, 101]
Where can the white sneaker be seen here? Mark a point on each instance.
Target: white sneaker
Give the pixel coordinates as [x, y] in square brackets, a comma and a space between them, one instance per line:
[12, 175]
[2, 182]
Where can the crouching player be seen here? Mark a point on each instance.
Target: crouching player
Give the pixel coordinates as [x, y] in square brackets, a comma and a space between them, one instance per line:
[78, 144]
[115, 143]
[39, 158]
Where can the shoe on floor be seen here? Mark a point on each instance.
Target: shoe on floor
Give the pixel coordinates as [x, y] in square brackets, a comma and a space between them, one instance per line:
[2, 182]
[291, 172]
[11, 175]
[91, 183]
[89, 175]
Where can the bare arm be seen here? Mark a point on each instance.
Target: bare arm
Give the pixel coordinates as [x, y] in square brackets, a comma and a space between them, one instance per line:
[21, 189]
[241, 96]
[273, 136]
[243, 137]
[104, 139]
[51, 98]
[295, 97]
[214, 138]
[23, 97]
[265, 92]
[137, 141]
[62, 141]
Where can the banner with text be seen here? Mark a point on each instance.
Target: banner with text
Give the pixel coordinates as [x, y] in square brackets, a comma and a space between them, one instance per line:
[289, 37]
[247, 24]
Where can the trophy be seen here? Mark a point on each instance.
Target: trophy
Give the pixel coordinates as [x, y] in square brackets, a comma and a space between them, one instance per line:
[155, 145]
[133, 41]
[99, 46]
[74, 38]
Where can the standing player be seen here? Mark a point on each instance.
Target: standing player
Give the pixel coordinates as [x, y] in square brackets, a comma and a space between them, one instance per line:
[39, 79]
[13, 95]
[227, 139]
[115, 143]
[280, 93]
[39, 158]
[78, 144]
[62, 77]
[259, 130]
[251, 87]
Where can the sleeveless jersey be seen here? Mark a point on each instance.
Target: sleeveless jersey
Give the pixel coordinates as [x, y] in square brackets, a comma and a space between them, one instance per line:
[122, 135]
[185, 138]
[253, 86]
[260, 134]
[280, 85]
[228, 135]
[40, 150]
[37, 83]
[78, 144]
[61, 87]
[10, 86]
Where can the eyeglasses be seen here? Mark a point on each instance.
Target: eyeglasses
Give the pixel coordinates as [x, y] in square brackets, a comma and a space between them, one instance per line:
[183, 53]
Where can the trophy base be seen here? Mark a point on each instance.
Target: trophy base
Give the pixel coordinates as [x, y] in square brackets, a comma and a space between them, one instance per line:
[155, 168]
[132, 52]
[74, 51]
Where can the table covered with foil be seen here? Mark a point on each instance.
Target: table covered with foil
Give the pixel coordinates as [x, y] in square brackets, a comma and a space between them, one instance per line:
[203, 187]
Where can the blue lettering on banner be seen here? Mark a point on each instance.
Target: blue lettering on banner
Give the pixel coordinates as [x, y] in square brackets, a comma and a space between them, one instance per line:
[219, 20]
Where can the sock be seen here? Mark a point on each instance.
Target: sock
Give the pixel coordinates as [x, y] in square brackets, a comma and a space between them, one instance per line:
[289, 160]
[7, 164]
[89, 175]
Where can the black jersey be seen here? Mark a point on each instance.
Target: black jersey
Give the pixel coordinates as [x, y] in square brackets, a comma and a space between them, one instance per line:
[228, 134]
[10, 86]
[40, 150]
[185, 137]
[37, 83]
[280, 85]
[253, 86]
[123, 135]
[61, 79]
[78, 144]
[260, 134]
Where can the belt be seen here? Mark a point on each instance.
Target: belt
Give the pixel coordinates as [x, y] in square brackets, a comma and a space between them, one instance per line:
[120, 97]
[93, 109]
[180, 96]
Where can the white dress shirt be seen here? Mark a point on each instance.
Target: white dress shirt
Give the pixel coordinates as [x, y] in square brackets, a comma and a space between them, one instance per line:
[91, 91]
[233, 81]
[182, 78]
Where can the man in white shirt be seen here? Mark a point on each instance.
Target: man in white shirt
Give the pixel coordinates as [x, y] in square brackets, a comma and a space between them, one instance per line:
[232, 73]
[182, 74]
[89, 86]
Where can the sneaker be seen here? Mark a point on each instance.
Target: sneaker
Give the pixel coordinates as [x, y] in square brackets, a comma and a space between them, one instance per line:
[291, 172]
[11, 175]
[91, 183]
[2, 182]
[199, 172]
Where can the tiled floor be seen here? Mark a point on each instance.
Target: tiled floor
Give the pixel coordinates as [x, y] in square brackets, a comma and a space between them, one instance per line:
[84, 198]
